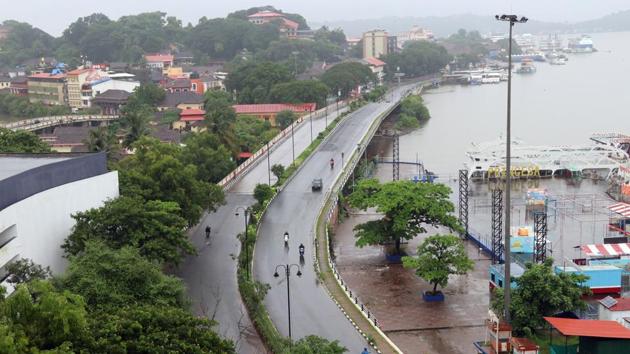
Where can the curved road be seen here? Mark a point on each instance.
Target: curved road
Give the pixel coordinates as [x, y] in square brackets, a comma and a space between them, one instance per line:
[295, 210]
[210, 276]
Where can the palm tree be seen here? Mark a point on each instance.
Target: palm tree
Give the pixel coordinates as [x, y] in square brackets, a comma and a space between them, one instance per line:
[135, 120]
[102, 139]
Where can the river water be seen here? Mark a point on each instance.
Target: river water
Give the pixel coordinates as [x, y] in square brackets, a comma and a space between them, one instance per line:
[557, 105]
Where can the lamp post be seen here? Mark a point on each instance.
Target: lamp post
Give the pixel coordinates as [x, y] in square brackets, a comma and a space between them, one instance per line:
[292, 142]
[246, 211]
[338, 98]
[287, 271]
[311, 120]
[268, 164]
[512, 19]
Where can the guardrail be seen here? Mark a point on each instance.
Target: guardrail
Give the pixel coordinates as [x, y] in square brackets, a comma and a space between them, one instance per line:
[241, 170]
[331, 199]
[46, 122]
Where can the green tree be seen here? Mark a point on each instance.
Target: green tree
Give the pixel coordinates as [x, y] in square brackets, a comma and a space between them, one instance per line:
[406, 123]
[253, 80]
[40, 318]
[285, 118]
[157, 172]
[108, 279]
[154, 227]
[414, 106]
[277, 170]
[407, 208]
[252, 132]
[212, 159]
[154, 328]
[345, 77]
[102, 139]
[316, 345]
[439, 256]
[221, 117]
[24, 42]
[262, 193]
[149, 94]
[21, 142]
[305, 91]
[417, 58]
[540, 292]
[135, 121]
[24, 270]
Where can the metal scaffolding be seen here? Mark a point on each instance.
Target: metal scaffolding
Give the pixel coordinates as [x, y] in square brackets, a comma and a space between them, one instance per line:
[497, 226]
[540, 236]
[396, 157]
[463, 200]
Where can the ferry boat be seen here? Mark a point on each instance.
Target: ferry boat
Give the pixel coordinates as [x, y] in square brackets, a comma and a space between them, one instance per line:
[486, 161]
[559, 60]
[583, 44]
[534, 56]
[527, 67]
[491, 77]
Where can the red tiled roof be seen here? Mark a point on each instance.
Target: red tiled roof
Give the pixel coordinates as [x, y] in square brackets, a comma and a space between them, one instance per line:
[158, 57]
[589, 328]
[374, 61]
[268, 14]
[47, 76]
[291, 24]
[273, 108]
[78, 71]
[623, 304]
[192, 115]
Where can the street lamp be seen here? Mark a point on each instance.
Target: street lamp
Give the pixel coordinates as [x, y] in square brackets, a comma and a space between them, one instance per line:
[338, 98]
[246, 212]
[287, 271]
[512, 19]
[268, 164]
[292, 142]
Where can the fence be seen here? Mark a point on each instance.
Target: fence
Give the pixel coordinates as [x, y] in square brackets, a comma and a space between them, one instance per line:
[46, 122]
[241, 170]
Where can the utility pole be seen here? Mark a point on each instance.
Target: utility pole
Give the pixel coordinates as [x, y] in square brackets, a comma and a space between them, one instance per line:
[512, 19]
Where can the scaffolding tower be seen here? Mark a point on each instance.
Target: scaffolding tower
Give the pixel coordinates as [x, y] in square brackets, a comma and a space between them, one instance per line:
[497, 226]
[540, 236]
[463, 200]
[396, 157]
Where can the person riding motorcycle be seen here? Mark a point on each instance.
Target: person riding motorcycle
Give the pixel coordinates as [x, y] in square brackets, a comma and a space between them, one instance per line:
[286, 238]
[332, 163]
[301, 248]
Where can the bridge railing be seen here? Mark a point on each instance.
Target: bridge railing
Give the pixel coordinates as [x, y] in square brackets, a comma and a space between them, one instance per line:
[241, 170]
[45, 122]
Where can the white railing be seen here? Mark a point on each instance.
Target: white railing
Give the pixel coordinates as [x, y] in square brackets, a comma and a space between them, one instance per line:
[46, 122]
[241, 170]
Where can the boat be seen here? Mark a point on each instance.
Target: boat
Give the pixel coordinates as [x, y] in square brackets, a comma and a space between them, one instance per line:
[558, 59]
[583, 44]
[551, 44]
[491, 77]
[534, 56]
[527, 67]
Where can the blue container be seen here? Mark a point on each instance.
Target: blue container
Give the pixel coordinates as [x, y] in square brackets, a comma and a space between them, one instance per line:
[426, 296]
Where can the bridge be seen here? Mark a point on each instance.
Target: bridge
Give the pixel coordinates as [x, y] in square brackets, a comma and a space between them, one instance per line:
[35, 124]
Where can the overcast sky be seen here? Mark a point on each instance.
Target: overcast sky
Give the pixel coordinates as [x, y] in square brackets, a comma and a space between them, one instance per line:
[54, 16]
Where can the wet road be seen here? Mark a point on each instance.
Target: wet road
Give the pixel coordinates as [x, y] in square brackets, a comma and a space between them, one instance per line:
[211, 275]
[295, 210]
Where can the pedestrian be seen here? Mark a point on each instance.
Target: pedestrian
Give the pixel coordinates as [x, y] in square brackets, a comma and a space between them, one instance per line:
[208, 231]
[365, 351]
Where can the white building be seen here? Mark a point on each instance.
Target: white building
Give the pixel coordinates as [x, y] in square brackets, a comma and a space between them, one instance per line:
[415, 34]
[615, 310]
[39, 194]
[94, 88]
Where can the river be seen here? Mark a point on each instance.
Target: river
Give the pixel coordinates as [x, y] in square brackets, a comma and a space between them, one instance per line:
[557, 105]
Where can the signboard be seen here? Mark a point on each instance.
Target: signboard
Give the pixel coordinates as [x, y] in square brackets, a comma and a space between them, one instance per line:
[522, 244]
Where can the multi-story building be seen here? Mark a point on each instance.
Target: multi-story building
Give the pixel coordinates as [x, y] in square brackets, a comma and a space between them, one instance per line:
[415, 34]
[5, 82]
[90, 90]
[48, 89]
[392, 44]
[375, 44]
[19, 86]
[159, 61]
[76, 79]
[287, 27]
[38, 196]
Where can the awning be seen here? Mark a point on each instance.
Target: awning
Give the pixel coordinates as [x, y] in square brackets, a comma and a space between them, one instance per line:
[607, 250]
[622, 209]
[589, 328]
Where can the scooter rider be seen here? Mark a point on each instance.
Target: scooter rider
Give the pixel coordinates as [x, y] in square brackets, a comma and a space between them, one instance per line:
[332, 163]
[301, 248]
[286, 238]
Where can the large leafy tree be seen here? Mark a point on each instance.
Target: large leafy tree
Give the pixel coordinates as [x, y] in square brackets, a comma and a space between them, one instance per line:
[157, 172]
[213, 159]
[439, 256]
[37, 317]
[154, 328]
[253, 81]
[345, 77]
[541, 292]
[135, 122]
[108, 279]
[24, 42]
[285, 118]
[220, 118]
[305, 91]
[407, 208]
[316, 345]
[154, 227]
[252, 133]
[21, 142]
[417, 58]
[414, 106]
[25, 270]
[21, 107]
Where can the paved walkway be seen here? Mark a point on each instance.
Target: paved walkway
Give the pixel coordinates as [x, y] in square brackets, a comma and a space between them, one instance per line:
[211, 275]
[393, 293]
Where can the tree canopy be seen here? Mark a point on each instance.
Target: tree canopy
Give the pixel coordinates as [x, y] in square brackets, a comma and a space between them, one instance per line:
[417, 58]
[540, 292]
[154, 227]
[21, 142]
[21, 107]
[212, 159]
[407, 208]
[439, 256]
[253, 81]
[305, 91]
[345, 77]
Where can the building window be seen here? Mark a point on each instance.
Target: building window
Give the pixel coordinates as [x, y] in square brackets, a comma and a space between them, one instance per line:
[500, 283]
[491, 276]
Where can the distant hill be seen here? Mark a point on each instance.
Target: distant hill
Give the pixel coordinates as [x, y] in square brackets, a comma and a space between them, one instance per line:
[445, 26]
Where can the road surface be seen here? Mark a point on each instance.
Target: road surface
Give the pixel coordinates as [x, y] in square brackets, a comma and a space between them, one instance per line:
[295, 210]
[210, 276]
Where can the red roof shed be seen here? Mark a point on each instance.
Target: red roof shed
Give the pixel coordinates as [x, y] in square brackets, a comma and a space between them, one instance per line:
[589, 328]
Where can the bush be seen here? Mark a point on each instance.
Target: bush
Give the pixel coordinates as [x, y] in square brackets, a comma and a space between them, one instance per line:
[262, 193]
[407, 122]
